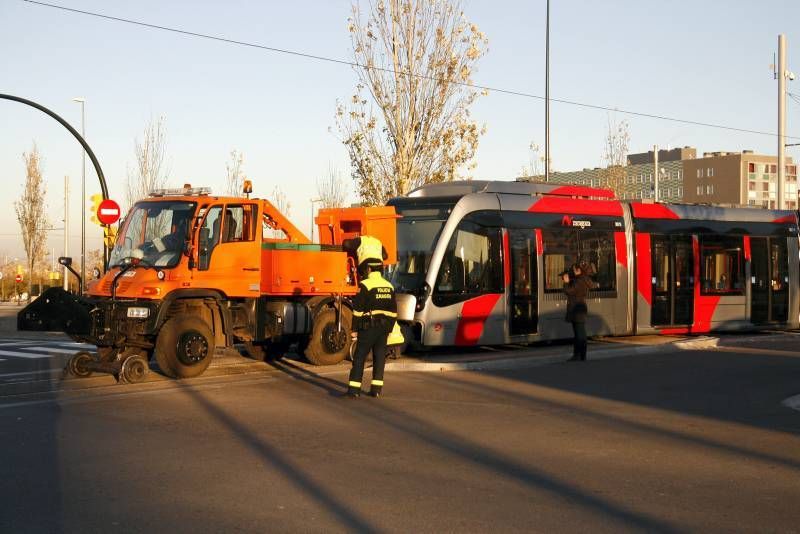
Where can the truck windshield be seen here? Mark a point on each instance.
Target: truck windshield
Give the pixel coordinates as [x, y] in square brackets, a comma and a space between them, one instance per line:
[417, 234]
[156, 232]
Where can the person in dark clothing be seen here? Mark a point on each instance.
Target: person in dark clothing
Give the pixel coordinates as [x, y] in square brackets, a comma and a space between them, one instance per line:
[576, 286]
[374, 317]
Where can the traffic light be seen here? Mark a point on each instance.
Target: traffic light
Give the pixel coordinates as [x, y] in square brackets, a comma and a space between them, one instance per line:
[110, 236]
[96, 200]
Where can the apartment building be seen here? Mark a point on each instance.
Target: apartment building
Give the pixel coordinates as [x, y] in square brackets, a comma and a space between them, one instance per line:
[742, 178]
[636, 180]
[734, 178]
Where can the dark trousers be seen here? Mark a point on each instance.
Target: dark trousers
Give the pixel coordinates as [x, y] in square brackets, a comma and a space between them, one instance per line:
[579, 343]
[372, 339]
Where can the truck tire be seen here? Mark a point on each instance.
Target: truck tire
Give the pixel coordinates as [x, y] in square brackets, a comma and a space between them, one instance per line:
[326, 345]
[184, 347]
[269, 351]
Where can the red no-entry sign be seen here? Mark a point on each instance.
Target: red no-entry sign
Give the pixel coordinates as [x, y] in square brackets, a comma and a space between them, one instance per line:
[108, 212]
[18, 278]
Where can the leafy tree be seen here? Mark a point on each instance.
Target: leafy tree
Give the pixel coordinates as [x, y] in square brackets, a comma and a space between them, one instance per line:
[408, 123]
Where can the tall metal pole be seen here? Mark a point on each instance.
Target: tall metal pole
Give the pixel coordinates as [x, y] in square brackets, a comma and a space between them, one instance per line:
[66, 230]
[547, 95]
[83, 196]
[655, 171]
[781, 119]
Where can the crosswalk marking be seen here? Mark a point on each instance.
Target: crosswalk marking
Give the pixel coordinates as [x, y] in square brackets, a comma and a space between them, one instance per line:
[30, 355]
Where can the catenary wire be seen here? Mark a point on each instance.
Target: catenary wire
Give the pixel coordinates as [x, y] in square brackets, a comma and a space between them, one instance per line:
[392, 71]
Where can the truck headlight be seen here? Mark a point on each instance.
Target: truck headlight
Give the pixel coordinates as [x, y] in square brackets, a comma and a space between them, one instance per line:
[138, 313]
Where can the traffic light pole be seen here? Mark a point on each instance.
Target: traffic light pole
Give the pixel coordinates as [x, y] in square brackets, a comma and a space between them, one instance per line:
[81, 140]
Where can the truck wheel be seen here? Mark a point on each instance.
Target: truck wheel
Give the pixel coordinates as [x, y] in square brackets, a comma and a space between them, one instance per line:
[269, 351]
[76, 366]
[184, 347]
[327, 346]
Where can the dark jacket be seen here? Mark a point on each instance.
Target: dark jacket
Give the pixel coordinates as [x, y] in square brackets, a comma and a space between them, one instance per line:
[374, 304]
[577, 289]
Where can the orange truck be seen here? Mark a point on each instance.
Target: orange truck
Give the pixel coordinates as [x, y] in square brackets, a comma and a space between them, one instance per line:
[191, 272]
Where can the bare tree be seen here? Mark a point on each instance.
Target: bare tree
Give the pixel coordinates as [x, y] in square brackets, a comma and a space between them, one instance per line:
[234, 177]
[415, 59]
[616, 155]
[279, 200]
[31, 213]
[331, 189]
[151, 171]
[534, 169]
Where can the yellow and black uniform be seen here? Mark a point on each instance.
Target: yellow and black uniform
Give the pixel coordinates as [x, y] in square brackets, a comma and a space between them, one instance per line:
[374, 316]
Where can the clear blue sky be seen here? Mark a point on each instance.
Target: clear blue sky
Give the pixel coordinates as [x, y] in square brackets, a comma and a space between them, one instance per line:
[706, 61]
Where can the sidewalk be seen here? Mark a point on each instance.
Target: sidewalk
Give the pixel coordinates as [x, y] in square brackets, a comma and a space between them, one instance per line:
[517, 357]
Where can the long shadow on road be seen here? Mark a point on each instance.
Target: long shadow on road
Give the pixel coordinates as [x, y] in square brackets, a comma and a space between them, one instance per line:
[273, 457]
[458, 446]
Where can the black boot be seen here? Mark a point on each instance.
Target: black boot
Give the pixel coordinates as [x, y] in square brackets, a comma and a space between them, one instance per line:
[375, 390]
[353, 392]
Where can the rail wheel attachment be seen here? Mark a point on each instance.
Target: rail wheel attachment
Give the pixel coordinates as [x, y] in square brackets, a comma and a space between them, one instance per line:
[77, 365]
[134, 369]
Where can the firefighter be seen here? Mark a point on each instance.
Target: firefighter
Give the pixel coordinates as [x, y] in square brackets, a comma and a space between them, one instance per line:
[374, 317]
[367, 250]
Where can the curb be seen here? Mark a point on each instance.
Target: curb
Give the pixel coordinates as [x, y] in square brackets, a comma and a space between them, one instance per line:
[522, 362]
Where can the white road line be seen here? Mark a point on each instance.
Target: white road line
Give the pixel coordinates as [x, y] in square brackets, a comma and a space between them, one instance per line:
[29, 355]
[50, 371]
[792, 402]
[52, 350]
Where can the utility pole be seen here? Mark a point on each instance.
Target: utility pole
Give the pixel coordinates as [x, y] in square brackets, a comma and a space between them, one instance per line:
[547, 95]
[782, 73]
[66, 230]
[82, 102]
[655, 171]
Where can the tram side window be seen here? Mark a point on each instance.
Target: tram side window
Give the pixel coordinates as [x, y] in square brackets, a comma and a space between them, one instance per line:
[723, 271]
[471, 265]
[564, 247]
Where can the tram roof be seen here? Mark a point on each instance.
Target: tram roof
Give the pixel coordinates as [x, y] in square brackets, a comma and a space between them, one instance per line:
[468, 187]
[707, 212]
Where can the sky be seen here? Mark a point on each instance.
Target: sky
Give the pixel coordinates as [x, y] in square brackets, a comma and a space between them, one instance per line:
[703, 61]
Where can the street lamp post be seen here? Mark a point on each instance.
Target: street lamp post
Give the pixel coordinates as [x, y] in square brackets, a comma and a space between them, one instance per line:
[82, 102]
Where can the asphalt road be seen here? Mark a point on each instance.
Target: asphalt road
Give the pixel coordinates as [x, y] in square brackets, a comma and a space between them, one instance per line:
[681, 441]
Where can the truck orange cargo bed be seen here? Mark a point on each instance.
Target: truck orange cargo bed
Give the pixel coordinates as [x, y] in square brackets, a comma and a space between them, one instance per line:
[294, 269]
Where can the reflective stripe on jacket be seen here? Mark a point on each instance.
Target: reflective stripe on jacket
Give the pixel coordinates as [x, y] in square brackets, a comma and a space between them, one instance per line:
[374, 303]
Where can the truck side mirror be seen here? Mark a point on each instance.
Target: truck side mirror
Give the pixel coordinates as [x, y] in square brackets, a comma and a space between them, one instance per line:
[66, 261]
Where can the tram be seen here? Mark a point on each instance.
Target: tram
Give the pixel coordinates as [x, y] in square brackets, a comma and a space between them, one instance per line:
[479, 264]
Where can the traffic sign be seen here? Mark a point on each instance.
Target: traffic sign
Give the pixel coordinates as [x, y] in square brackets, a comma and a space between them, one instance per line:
[18, 278]
[108, 212]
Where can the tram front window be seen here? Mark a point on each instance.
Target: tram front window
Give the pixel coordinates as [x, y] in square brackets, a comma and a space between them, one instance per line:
[415, 243]
[417, 234]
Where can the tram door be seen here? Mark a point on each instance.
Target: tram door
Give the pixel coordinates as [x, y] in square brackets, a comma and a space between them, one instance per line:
[673, 280]
[769, 282]
[524, 282]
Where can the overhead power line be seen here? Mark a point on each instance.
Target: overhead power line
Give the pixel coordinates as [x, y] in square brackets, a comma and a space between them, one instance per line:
[392, 71]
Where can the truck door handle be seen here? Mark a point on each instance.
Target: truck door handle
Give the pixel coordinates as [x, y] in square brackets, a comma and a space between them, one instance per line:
[250, 268]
